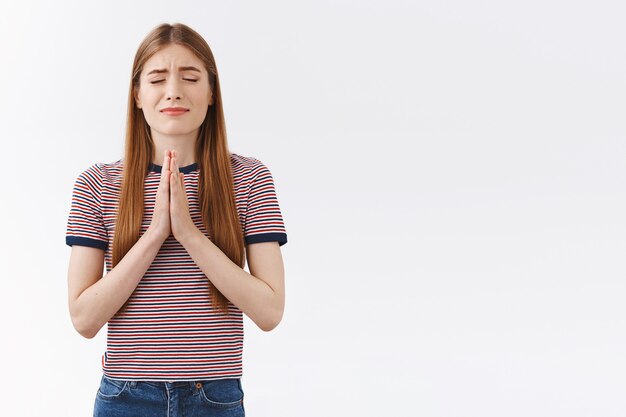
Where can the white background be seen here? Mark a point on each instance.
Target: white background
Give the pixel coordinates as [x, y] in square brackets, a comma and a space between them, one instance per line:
[451, 177]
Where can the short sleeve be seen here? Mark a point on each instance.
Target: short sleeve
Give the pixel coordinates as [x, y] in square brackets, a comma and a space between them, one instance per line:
[264, 221]
[85, 225]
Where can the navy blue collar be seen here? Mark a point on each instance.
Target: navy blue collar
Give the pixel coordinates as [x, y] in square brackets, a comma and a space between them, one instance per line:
[185, 170]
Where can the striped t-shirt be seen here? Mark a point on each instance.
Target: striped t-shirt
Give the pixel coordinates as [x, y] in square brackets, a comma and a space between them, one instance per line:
[170, 331]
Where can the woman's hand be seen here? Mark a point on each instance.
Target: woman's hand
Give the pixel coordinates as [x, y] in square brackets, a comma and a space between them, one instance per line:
[182, 224]
[161, 224]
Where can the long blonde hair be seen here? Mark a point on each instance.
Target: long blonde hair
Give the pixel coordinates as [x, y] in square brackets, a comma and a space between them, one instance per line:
[215, 185]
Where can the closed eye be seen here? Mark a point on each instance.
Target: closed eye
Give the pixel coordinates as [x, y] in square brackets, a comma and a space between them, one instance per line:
[186, 79]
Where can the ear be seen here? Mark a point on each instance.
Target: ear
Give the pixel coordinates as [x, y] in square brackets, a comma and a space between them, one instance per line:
[136, 94]
[210, 98]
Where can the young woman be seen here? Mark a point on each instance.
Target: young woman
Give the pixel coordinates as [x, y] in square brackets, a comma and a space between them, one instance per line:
[174, 221]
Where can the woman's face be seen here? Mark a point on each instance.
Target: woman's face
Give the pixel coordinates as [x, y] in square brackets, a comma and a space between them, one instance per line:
[174, 77]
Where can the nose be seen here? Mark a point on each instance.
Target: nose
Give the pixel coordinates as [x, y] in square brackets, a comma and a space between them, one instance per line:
[173, 91]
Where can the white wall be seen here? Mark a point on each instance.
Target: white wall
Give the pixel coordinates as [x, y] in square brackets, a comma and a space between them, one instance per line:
[451, 176]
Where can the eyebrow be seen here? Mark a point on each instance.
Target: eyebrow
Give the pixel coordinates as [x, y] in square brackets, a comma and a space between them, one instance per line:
[162, 70]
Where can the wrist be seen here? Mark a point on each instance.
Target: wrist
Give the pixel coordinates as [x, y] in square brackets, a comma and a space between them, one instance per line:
[190, 236]
[154, 236]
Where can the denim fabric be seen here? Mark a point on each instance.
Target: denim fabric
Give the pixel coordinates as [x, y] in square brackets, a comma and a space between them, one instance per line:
[126, 398]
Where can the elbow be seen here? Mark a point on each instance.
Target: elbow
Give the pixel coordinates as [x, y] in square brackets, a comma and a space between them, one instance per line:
[83, 326]
[268, 327]
[84, 331]
[87, 333]
[274, 317]
[271, 323]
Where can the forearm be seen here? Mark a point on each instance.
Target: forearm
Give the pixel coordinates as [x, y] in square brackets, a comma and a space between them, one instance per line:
[98, 303]
[250, 294]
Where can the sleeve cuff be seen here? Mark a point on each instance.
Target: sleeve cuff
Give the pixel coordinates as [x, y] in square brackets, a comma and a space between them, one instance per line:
[281, 238]
[85, 241]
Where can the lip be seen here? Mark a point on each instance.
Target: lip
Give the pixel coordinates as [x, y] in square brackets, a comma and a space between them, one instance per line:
[174, 111]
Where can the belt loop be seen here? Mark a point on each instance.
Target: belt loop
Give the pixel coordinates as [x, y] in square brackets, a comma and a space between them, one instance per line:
[133, 384]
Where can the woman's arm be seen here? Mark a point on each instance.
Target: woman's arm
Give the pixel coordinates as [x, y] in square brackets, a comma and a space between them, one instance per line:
[260, 294]
[93, 299]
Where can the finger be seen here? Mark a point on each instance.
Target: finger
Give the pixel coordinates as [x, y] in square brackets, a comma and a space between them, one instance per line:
[173, 181]
[165, 183]
[166, 164]
[175, 167]
[166, 159]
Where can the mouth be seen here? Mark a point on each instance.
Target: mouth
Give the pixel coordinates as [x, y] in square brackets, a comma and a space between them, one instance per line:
[174, 111]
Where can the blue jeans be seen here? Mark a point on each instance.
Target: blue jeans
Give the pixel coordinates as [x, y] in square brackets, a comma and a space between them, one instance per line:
[128, 398]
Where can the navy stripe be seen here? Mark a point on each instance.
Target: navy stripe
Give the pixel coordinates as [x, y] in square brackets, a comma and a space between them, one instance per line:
[281, 238]
[85, 241]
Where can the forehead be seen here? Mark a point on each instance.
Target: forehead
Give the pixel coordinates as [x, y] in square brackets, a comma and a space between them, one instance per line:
[171, 57]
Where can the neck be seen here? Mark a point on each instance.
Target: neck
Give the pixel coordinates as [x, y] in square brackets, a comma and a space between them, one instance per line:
[184, 145]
